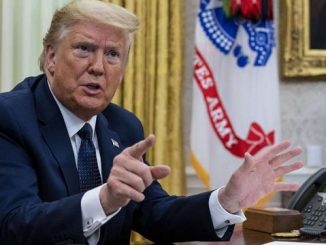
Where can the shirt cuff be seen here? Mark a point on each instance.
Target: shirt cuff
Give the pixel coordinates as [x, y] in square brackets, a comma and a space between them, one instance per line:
[93, 215]
[220, 217]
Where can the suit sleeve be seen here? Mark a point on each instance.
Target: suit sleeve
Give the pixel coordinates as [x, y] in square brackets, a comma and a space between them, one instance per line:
[174, 219]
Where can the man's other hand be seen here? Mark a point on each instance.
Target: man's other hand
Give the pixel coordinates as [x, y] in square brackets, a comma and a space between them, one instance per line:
[255, 178]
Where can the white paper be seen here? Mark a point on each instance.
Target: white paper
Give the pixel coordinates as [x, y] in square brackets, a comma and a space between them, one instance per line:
[289, 243]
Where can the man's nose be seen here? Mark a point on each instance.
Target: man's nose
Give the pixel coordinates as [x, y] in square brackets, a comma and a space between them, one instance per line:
[96, 67]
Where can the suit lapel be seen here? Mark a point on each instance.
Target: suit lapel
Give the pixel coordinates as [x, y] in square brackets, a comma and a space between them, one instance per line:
[109, 144]
[56, 136]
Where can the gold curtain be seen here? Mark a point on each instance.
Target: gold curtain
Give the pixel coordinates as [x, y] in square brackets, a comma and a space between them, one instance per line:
[153, 81]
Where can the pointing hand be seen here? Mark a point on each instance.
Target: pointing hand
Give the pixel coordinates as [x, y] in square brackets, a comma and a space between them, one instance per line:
[130, 176]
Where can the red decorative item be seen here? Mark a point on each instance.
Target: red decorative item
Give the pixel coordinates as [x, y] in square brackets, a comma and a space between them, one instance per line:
[251, 9]
[235, 8]
[269, 10]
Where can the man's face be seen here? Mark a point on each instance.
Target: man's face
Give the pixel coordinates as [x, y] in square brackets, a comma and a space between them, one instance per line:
[87, 66]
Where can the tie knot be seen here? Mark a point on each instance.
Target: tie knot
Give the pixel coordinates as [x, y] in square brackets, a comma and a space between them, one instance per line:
[85, 132]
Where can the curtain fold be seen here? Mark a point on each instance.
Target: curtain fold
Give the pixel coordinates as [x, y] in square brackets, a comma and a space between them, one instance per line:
[152, 84]
[175, 143]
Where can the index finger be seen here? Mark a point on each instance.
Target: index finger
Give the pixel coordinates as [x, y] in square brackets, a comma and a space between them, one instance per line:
[139, 149]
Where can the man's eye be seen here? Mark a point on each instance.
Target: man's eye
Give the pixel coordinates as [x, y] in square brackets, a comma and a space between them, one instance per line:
[113, 54]
[83, 48]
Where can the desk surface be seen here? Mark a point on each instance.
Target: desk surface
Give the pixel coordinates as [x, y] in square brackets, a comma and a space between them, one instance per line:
[249, 237]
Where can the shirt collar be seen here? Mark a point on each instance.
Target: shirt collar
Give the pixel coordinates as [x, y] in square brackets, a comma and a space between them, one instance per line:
[73, 123]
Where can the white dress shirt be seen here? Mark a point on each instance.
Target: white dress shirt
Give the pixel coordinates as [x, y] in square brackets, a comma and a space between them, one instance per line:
[93, 215]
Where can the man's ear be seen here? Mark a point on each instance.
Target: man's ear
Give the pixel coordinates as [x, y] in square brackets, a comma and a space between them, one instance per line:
[50, 59]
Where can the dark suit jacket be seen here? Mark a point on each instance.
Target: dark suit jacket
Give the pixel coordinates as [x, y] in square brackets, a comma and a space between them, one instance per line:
[40, 196]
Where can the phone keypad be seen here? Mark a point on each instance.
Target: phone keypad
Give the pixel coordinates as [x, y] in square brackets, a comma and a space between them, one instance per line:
[314, 214]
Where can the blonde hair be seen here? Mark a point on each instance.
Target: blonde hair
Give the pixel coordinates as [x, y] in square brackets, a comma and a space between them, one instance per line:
[87, 11]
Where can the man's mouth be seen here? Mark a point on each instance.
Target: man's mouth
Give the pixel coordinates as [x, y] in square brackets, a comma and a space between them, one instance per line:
[92, 89]
[93, 86]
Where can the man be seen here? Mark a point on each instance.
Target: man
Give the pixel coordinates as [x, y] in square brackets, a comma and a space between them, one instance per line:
[71, 162]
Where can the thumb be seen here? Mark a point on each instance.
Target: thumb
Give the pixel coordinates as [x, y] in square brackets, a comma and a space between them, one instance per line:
[248, 161]
[160, 171]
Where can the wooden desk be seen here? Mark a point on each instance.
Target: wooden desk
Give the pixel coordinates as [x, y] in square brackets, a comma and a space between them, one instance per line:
[249, 237]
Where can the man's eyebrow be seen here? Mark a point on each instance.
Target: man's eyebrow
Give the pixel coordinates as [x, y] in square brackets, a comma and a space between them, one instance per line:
[113, 45]
[88, 44]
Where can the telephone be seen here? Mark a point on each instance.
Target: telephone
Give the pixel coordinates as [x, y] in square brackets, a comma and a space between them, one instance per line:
[310, 200]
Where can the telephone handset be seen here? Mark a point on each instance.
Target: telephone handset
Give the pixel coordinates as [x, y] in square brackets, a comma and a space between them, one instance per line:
[310, 200]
